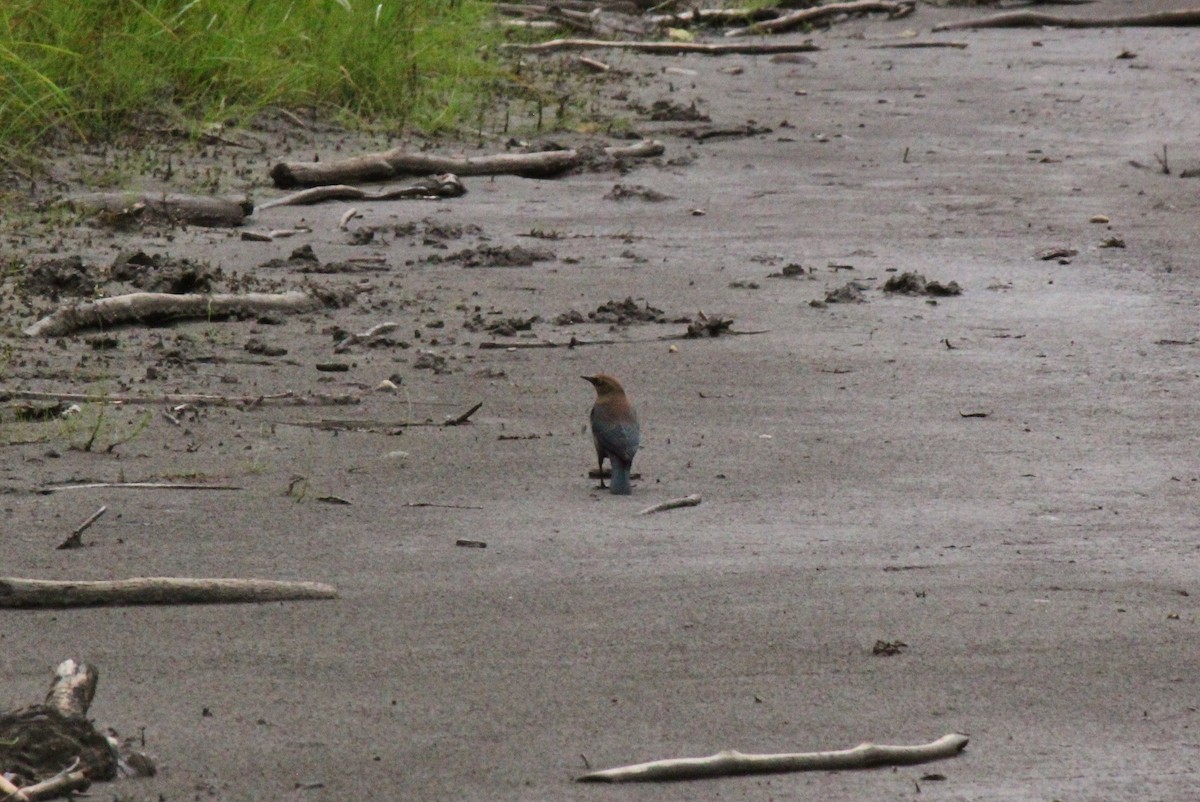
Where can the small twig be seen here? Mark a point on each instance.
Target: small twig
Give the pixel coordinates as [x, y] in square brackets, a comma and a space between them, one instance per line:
[48, 489]
[442, 506]
[344, 223]
[1162, 161]
[374, 331]
[463, 418]
[673, 504]
[75, 539]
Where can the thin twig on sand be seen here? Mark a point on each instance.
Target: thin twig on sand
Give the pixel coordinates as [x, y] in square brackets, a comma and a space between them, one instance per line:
[75, 539]
[27, 593]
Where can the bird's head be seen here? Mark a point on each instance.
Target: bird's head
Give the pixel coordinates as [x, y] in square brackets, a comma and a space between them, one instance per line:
[606, 386]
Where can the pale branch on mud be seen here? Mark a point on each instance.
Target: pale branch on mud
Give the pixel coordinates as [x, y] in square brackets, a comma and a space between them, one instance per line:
[724, 764]
[198, 210]
[668, 48]
[141, 307]
[37, 593]
[199, 399]
[48, 489]
[436, 187]
[1033, 19]
[894, 10]
[674, 504]
[65, 783]
[396, 162]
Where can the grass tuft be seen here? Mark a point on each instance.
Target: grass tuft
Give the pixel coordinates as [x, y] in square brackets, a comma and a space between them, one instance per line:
[81, 71]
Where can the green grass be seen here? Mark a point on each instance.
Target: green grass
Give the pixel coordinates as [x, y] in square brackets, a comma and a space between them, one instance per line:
[85, 70]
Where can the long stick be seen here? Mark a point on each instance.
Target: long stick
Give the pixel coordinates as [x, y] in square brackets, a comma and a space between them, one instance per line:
[667, 48]
[797, 18]
[197, 399]
[26, 593]
[722, 764]
[1032, 19]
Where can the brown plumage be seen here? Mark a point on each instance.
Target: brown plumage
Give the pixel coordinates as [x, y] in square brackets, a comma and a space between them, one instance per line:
[615, 431]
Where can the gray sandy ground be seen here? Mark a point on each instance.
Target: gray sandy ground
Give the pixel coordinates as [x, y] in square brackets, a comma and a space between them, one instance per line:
[1040, 563]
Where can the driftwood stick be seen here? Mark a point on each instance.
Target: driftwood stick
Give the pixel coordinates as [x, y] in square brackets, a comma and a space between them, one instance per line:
[198, 399]
[62, 784]
[436, 187]
[723, 764]
[10, 792]
[75, 539]
[714, 16]
[674, 504]
[48, 489]
[787, 22]
[29, 593]
[159, 306]
[1033, 19]
[667, 48]
[397, 162]
[918, 45]
[198, 210]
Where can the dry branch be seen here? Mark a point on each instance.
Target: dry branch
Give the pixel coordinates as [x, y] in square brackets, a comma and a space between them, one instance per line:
[159, 306]
[397, 162]
[714, 16]
[374, 331]
[27, 593]
[788, 22]
[199, 399]
[1032, 19]
[674, 504]
[435, 187]
[669, 48]
[723, 764]
[198, 210]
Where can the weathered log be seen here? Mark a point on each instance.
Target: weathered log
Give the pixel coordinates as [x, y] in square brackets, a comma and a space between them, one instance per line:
[398, 162]
[154, 307]
[27, 593]
[198, 210]
[669, 48]
[795, 19]
[1032, 19]
[723, 764]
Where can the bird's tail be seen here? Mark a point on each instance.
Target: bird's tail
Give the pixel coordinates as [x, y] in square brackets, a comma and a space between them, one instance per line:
[619, 484]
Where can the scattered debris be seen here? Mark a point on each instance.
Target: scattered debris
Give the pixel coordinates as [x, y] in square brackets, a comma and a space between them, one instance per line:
[56, 277]
[885, 648]
[163, 273]
[849, 293]
[915, 284]
[621, 192]
[1112, 242]
[470, 544]
[497, 256]
[1060, 252]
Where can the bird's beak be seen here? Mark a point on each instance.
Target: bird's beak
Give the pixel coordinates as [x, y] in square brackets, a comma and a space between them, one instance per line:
[591, 379]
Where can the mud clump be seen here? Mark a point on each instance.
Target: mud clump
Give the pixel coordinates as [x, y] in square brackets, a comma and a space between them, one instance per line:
[915, 284]
[57, 277]
[162, 273]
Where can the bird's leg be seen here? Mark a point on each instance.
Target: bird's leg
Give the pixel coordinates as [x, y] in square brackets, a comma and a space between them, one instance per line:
[601, 473]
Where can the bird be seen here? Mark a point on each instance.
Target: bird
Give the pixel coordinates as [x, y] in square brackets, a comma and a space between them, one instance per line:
[615, 431]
